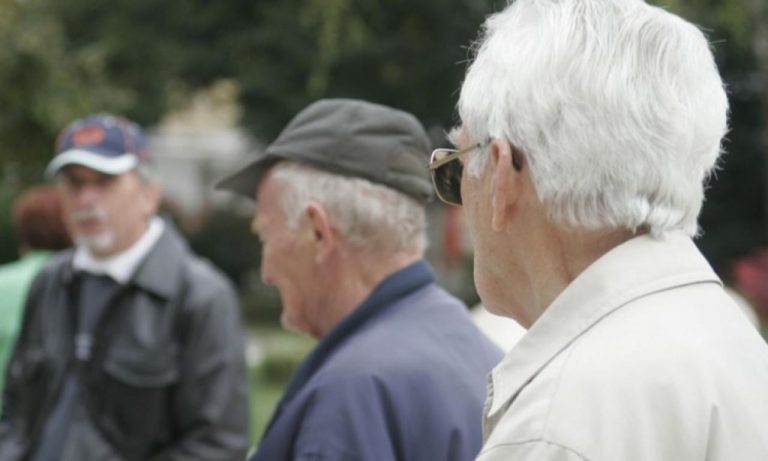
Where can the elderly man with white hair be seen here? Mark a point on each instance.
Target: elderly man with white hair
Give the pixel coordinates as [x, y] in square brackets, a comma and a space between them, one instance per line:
[399, 369]
[588, 131]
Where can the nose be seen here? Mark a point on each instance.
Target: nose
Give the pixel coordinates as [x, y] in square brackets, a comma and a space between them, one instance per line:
[86, 195]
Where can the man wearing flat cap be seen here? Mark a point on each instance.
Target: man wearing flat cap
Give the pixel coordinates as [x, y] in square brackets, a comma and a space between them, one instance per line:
[399, 369]
[131, 346]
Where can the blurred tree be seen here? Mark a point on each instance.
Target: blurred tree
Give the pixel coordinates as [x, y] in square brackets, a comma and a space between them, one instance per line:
[734, 216]
[758, 11]
[284, 53]
[403, 53]
[59, 60]
[241, 252]
[43, 85]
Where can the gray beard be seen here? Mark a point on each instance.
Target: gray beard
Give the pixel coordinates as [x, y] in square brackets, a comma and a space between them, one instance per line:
[100, 243]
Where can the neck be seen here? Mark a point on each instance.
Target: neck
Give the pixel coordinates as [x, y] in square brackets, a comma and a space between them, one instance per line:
[354, 277]
[552, 257]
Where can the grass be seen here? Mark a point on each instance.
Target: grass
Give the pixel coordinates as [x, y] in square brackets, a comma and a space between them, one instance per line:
[283, 352]
[263, 399]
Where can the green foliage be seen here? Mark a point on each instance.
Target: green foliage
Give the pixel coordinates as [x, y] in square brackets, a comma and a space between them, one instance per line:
[226, 240]
[60, 60]
[283, 352]
[402, 53]
[44, 85]
[8, 241]
[284, 53]
[278, 366]
[261, 303]
[264, 396]
[733, 219]
[731, 18]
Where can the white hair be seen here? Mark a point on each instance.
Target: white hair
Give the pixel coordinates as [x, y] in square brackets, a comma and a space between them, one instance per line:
[372, 217]
[617, 105]
[145, 174]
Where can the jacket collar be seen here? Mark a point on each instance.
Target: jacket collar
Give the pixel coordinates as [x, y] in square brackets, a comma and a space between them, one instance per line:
[636, 268]
[393, 288]
[162, 269]
[120, 267]
[159, 273]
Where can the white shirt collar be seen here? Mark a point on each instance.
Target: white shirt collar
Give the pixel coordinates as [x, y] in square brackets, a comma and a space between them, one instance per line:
[121, 266]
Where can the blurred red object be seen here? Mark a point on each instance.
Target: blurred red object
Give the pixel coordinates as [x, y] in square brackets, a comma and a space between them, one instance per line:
[750, 277]
[453, 251]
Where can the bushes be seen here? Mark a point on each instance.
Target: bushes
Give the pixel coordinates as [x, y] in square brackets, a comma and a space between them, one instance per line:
[282, 354]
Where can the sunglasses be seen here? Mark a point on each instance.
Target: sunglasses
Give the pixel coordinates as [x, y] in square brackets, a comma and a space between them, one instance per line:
[446, 172]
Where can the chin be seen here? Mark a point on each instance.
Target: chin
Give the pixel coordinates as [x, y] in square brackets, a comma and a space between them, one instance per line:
[97, 244]
[299, 327]
[290, 324]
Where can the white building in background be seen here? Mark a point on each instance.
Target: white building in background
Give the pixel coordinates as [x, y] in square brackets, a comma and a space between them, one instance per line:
[188, 163]
[194, 147]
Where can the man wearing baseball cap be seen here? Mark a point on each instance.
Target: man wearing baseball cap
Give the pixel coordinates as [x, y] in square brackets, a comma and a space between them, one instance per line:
[131, 347]
[399, 369]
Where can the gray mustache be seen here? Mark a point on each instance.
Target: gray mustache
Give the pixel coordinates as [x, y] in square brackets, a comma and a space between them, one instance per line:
[87, 214]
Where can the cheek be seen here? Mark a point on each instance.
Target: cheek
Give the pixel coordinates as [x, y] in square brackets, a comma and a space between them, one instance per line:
[125, 214]
[68, 206]
[468, 186]
[150, 201]
[274, 258]
[69, 222]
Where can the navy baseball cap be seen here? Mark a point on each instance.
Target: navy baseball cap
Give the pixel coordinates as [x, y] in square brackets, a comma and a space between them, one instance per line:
[103, 142]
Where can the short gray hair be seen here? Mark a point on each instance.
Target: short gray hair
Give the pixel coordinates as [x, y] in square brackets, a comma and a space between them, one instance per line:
[618, 106]
[145, 174]
[372, 217]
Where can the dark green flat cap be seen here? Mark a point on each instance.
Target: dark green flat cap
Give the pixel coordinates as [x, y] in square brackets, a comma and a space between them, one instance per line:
[352, 138]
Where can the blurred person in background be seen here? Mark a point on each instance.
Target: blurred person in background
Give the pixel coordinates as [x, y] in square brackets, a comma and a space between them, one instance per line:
[399, 370]
[588, 130]
[750, 277]
[131, 347]
[39, 226]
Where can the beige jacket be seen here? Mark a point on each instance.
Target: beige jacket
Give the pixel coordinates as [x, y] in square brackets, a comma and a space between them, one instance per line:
[642, 357]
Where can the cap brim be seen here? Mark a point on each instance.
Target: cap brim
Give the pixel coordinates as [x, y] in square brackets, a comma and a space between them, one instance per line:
[94, 161]
[245, 181]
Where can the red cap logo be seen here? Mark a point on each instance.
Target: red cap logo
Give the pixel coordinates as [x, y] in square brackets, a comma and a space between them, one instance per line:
[88, 135]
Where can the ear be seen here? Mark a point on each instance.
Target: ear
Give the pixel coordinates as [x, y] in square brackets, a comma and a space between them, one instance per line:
[503, 181]
[153, 195]
[323, 233]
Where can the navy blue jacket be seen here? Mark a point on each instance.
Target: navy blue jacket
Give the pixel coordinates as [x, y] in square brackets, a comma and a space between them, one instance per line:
[401, 378]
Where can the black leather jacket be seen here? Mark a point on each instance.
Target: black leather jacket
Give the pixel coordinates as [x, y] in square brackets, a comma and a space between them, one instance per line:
[166, 378]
